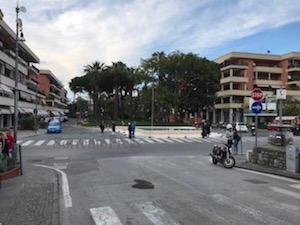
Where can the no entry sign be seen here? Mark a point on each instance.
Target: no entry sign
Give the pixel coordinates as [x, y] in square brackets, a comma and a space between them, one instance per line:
[257, 94]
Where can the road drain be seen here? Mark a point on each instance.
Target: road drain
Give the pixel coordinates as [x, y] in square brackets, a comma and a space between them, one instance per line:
[143, 184]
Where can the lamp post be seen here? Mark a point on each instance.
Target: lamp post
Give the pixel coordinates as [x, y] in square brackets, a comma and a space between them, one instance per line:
[19, 29]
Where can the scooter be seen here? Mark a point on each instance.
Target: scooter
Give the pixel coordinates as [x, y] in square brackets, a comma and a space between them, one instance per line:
[223, 154]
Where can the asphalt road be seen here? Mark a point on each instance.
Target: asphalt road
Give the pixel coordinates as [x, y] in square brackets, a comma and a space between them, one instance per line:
[112, 180]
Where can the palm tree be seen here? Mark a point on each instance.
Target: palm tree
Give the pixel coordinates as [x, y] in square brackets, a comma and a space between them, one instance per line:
[119, 72]
[94, 73]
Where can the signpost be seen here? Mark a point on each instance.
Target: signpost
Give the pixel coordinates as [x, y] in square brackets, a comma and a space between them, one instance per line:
[256, 108]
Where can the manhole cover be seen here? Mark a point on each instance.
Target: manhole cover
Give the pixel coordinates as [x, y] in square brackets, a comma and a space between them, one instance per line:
[143, 184]
[254, 181]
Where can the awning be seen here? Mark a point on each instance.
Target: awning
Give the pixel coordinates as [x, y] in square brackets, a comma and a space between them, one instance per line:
[55, 113]
[27, 110]
[25, 96]
[42, 112]
[12, 109]
[43, 101]
[4, 111]
[6, 89]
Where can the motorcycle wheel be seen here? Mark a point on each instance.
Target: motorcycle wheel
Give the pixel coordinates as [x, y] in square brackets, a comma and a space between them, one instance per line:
[229, 163]
[214, 160]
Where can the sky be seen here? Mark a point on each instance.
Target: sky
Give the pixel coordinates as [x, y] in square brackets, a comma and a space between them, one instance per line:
[67, 35]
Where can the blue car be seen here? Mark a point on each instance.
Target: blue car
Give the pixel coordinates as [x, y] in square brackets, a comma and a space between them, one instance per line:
[54, 126]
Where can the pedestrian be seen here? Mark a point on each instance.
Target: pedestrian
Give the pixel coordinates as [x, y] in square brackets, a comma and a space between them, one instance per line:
[101, 127]
[4, 145]
[229, 135]
[113, 128]
[133, 129]
[10, 141]
[129, 129]
[207, 129]
[236, 140]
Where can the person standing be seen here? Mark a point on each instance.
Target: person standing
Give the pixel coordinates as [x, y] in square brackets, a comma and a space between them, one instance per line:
[10, 141]
[133, 129]
[236, 139]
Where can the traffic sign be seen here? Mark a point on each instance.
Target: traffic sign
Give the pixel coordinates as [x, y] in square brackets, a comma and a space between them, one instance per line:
[256, 107]
[257, 94]
[281, 94]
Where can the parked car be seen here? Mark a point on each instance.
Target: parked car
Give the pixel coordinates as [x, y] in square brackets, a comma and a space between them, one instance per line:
[54, 126]
[241, 127]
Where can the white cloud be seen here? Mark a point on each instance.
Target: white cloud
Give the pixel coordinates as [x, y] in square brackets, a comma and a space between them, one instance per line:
[69, 34]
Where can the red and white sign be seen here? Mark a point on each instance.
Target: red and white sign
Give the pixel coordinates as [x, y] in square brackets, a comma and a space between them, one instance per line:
[257, 94]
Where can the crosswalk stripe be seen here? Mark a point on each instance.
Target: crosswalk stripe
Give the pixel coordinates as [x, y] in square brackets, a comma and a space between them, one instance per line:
[177, 140]
[196, 140]
[155, 214]
[39, 143]
[297, 186]
[148, 140]
[27, 143]
[158, 140]
[139, 141]
[286, 192]
[105, 216]
[107, 141]
[168, 140]
[186, 140]
[18, 142]
[51, 142]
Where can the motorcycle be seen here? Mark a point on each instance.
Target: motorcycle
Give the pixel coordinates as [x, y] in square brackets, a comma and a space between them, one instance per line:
[222, 154]
[253, 132]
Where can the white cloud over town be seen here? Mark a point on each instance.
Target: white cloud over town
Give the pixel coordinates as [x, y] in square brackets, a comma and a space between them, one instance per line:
[68, 34]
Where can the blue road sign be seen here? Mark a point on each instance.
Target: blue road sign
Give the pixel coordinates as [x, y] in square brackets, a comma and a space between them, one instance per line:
[256, 107]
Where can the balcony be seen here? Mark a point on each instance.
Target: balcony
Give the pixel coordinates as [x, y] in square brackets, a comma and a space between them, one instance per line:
[234, 66]
[228, 105]
[293, 93]
[234, 79]
[267, 69]
[233, 92]
[267, 83]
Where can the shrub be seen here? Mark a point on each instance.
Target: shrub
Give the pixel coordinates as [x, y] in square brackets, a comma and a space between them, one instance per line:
[27, 123]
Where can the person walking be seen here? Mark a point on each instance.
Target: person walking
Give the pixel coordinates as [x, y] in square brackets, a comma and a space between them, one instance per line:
[129, 130]
[133, 129]
[101, 127]
[10, 142]
[236, 140]
[113, 128]
[4, 144]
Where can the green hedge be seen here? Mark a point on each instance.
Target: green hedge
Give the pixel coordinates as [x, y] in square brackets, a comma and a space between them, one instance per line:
[6, 163]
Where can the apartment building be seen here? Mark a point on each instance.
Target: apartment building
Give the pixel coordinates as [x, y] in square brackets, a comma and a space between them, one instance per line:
[32, 95]
[242, 72]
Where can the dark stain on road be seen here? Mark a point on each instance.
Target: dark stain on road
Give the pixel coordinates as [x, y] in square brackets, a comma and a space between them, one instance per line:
[255, 181]
[143, 184]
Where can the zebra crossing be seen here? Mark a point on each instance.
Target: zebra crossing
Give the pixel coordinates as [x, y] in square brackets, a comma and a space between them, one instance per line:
[133, 141]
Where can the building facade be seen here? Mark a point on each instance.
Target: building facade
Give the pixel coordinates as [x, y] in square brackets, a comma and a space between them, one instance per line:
[242, 72]
[32, 94]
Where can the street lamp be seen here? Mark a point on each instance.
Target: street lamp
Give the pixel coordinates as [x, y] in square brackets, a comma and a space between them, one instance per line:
[19, 29]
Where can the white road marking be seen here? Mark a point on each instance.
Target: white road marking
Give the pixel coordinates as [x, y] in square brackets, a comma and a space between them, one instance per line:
[18, 142]
[168, 140]
[65, 185]
[39, 143]
[119, 141]
[286, 192]
[51, 142]
[105, 216]
[185, 140]
[177, 140]
[297, 186]
[158, 140]
[269, 175]
[107, 141]
[255, 214]
[60, 166]
[61, 157]
[196, 140]
[139, 141]
[155, 214]
[27, 143]
[148, 140]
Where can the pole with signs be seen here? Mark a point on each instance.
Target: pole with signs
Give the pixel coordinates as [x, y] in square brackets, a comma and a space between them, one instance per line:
[256, 108]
